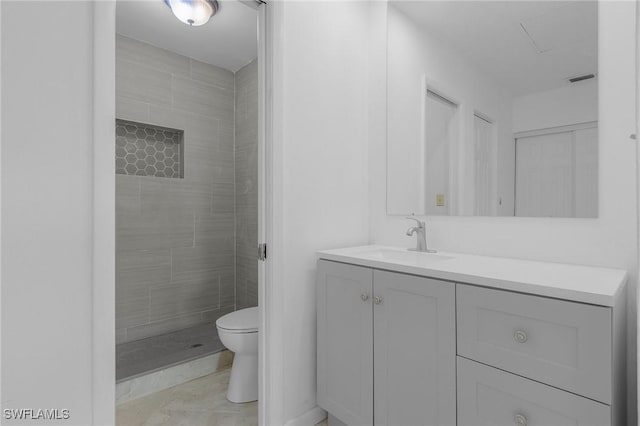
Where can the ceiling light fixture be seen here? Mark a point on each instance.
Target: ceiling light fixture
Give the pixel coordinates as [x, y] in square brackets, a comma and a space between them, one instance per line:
[193, 12]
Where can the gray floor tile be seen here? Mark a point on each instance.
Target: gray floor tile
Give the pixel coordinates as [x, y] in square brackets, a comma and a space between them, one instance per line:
[154, 353]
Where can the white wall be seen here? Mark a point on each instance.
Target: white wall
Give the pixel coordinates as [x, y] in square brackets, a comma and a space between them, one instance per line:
[320, 175]
[415, 55]
[609, 240]
[571, 104]
[48, 211]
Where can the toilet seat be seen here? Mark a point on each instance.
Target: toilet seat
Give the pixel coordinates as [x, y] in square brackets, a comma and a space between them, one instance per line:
[241, 321]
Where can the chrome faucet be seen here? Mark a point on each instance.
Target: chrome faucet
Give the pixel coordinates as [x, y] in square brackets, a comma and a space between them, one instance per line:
[421, 236]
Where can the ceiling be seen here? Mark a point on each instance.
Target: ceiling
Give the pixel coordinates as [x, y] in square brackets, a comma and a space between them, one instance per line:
[528, 46]
[228, 40]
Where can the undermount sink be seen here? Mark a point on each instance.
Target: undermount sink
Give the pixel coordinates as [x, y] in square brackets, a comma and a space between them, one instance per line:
[404, 256]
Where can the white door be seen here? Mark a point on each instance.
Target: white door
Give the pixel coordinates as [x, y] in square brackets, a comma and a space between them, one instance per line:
[586, 200]
[345, 342]
[545, 169]
[440, 137]
[557, 172]
[414, 350]
[484, 194]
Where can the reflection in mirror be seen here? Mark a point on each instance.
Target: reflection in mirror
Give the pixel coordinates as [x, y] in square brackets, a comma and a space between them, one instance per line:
[492, 108]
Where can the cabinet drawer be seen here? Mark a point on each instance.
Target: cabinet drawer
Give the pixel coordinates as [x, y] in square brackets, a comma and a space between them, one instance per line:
[491, 397]
[564, 344]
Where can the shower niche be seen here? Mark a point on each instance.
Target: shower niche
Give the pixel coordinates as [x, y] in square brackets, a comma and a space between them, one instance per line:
[148, 150]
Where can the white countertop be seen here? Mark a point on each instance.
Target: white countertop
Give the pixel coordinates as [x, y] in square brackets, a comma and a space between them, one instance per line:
[587, 284]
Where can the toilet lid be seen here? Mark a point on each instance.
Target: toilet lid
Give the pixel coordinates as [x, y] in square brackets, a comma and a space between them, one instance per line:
[244, 320]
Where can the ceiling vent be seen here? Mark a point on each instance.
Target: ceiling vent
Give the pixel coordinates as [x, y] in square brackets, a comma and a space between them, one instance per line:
[581, 78]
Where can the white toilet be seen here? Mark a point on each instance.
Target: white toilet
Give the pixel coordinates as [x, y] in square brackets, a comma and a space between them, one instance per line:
[238, 332]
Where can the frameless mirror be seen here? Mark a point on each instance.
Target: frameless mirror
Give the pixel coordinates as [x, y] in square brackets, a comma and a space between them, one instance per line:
[492, 108]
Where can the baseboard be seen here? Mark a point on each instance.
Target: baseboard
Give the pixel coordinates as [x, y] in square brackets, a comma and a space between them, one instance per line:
[309, 418]
[172, 376]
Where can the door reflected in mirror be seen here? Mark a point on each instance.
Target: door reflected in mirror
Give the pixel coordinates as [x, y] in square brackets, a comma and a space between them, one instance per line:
[492, 108]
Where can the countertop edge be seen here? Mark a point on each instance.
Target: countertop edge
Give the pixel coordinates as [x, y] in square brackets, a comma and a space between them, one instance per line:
[601, 299]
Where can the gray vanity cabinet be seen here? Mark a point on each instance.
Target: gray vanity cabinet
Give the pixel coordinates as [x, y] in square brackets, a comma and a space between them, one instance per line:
[408, 338]
[392, 331]
[345, 342]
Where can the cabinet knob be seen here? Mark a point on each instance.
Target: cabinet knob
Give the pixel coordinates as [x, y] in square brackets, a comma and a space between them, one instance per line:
[520, 336]
[377, 300]
[520, 420]
[364, 297]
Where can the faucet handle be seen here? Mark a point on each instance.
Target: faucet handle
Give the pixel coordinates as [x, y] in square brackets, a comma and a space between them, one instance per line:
[420, 223]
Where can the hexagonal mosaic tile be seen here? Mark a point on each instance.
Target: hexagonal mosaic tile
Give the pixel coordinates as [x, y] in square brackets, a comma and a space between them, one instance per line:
[147, 150]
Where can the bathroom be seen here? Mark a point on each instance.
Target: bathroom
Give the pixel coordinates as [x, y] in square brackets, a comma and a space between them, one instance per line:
[186, 157]
[324, 184]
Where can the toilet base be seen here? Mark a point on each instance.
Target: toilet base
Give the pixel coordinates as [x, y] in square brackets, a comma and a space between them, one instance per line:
[243, 382]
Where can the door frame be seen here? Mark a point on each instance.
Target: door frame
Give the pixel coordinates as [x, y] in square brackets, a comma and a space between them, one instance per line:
[558, 129]
[103, 380]
[103, 286]
[265, 208]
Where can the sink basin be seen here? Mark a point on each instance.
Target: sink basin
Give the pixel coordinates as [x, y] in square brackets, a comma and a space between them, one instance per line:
[405, 256]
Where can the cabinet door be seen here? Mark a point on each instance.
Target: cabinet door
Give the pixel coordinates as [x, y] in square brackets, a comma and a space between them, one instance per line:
[345, 342]
[414, 350]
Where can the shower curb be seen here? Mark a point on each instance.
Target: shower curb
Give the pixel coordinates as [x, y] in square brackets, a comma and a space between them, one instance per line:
[163, 379]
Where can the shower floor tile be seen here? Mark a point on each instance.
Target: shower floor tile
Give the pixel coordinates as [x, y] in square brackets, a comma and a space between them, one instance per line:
[144, 356]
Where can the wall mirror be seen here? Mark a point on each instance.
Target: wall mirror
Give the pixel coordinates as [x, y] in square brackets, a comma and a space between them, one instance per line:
[492, 108]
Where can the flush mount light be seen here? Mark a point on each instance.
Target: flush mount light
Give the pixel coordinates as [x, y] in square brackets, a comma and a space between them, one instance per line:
[193, 12]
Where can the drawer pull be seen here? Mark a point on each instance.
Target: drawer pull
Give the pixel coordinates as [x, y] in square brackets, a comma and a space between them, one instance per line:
[520, 420]
[377, 300]
[364, 297]
[520, 337]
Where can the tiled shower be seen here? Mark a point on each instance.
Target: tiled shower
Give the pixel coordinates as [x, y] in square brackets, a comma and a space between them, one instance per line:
[186, 203]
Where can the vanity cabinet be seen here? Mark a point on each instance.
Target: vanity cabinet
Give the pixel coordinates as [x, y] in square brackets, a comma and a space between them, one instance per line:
[392, 331]
[400, 349]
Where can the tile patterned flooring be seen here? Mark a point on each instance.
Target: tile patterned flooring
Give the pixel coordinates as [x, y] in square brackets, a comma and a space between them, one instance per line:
[200, 402]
